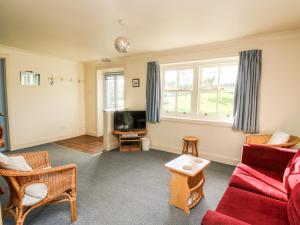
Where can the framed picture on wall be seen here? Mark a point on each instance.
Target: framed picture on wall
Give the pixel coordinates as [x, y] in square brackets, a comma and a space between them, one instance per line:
[135, 82]
[29, 78]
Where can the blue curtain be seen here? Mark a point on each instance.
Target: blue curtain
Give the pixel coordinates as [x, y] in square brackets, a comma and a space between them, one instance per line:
[153, 92]
[3, 117]
[247, 90]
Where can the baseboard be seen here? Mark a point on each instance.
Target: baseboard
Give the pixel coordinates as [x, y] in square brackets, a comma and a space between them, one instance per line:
[209, 156]
[111, 146]
[91, 134]
[222, 159]
[44, 141]
[166, 149]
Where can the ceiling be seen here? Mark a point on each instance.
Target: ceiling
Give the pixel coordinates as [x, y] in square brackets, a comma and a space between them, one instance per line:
[85, 30]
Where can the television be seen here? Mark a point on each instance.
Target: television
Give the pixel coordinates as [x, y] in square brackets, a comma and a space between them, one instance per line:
[129, 120]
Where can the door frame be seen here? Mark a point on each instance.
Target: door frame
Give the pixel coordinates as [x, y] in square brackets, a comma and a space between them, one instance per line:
[6, 62]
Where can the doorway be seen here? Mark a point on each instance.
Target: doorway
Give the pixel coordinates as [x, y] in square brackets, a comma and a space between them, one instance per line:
[4, 135]
[110, 97]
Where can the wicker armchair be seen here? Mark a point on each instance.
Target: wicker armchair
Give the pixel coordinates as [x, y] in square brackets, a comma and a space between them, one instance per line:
[60, 181]
[263, 140]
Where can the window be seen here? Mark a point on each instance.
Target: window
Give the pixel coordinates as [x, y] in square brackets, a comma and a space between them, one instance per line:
[200, 90]
[114, 90]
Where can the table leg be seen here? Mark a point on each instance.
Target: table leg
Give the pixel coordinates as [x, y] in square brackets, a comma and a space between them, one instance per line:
[196, 188]
[183, 148]
[179, 191]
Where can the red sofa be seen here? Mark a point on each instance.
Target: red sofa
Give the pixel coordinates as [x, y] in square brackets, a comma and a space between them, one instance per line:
[264, 189]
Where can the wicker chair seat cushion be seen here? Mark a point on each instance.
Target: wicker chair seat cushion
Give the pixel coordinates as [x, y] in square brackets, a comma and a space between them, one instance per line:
[37, 190]
[14, 163]
[34, 193]
[29, 200]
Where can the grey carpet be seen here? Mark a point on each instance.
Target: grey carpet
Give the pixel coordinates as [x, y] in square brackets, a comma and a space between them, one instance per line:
[124, 189]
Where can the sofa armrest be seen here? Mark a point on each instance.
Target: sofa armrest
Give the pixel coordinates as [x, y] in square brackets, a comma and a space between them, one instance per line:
[266, 157]
[215, 218]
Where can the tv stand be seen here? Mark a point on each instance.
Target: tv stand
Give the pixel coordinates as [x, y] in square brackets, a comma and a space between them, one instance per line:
[130, 141]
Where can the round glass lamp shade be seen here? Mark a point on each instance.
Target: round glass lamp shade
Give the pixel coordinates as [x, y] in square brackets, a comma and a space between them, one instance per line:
[122, 44]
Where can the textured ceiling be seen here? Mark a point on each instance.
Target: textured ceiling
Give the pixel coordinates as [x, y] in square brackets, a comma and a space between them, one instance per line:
[85, 29]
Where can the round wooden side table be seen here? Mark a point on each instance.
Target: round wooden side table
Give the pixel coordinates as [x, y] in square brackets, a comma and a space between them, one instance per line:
[193, 141]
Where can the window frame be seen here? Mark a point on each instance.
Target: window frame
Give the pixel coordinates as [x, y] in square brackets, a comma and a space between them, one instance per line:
[197, 66]
[113, 74]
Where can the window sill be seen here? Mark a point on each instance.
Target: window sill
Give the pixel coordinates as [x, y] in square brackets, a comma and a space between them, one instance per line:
[197, 121]
[113, 110]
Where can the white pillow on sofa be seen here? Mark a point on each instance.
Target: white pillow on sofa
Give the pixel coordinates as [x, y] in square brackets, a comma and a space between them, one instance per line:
[279, 137]
[14, 163]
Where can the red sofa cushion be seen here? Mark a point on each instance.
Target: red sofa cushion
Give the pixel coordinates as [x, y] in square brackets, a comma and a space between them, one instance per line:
[293, 207]
[215, 218]
[259, 181]
[253, 208]
[292, 173]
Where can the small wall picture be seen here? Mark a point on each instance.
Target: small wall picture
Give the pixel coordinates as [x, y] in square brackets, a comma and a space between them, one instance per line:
[135, 82]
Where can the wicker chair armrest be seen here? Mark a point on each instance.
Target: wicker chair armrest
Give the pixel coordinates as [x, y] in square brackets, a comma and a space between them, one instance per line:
[58, 179]
[37, 160]
[14, 173]
[292, 141]
[263, 140]
[257, 139]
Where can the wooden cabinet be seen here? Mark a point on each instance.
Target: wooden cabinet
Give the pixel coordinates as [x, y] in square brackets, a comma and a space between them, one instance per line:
[130, 141]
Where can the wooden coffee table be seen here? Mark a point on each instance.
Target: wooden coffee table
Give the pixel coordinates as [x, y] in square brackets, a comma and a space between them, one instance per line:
[186, 186]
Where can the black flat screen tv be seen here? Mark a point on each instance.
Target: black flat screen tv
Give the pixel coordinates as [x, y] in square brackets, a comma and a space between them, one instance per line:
[129, 120]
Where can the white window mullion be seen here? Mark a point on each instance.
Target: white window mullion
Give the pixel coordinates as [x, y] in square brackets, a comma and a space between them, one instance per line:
[116, 92]
[194, 102]
[218, 91]
[176, 96]
[199, 90]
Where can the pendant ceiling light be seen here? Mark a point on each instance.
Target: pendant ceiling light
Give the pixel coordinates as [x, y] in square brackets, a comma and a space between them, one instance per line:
[121, 43]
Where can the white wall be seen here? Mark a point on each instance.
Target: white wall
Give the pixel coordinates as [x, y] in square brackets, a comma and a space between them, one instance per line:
[100, 103]
[110, 141]
[279, 93]
[44, 113]
[91, 110]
